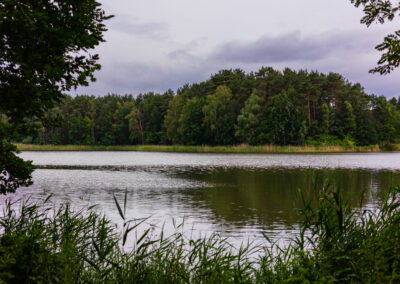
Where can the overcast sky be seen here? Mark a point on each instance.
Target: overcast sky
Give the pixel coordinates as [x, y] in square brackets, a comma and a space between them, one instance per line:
[154, 45]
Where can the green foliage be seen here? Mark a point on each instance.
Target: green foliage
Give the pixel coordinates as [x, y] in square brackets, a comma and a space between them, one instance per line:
[43, 53]
[366, 133]
[135, 120]
[15, 172]
[352, 246]
[80, 128]
[349, 120]
[248, 120]
[285, 125]
[335, 243]
[172, 118]
[387, 119]
[289, 107]
[219, 116]
[324, 140]
[154, 108]
[122, 124]
[191, 128]
[326, 120]
[381, 11]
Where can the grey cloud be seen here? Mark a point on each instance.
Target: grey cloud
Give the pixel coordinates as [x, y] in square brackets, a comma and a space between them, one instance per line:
[324, 41]
[180, 54]
[292, 47]
[139, 77]
[187, 51]
[134, 26]
[345, 53]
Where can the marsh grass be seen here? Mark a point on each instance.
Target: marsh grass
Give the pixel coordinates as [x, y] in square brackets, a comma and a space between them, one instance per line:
[336, 244]
[206, 149]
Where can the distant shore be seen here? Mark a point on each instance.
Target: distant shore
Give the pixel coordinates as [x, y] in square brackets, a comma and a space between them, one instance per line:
[209, 149]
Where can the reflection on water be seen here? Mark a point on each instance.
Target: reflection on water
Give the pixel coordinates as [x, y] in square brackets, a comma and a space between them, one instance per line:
[270, 196]
[238, 195]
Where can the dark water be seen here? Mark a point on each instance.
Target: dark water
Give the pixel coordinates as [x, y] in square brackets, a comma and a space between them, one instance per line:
[236, 194]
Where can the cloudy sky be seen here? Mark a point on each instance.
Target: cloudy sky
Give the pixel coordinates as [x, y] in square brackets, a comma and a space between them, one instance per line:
[155, 45]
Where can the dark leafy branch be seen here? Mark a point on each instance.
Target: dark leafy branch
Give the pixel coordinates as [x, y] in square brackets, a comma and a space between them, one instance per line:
[379, 11]
[44, 51]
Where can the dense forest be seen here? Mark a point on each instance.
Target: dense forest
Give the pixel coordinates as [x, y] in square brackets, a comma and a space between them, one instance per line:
[232, 107]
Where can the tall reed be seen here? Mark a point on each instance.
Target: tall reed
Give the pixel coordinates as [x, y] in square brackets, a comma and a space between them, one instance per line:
[335, 244]
[205, 149]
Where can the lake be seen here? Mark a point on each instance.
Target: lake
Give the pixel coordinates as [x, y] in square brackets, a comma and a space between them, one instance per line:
[238, 195]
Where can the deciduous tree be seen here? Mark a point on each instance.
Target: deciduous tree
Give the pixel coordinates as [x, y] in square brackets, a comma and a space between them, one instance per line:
[219, 116]
[44, 48]
[249, 119]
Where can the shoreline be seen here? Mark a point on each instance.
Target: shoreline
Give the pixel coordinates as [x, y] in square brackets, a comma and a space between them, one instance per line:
[207, 149]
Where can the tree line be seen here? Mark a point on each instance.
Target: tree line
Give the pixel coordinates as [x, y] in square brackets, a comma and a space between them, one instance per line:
[265, 107]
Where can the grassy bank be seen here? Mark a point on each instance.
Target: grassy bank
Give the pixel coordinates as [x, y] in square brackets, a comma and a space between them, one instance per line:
[336, 244]
[204, 149]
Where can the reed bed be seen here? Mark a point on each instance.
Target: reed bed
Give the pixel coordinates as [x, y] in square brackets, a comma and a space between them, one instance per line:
[335, 244]
[204, 149]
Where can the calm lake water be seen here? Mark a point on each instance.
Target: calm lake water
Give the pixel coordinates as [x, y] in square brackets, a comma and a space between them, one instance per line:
[239, 195]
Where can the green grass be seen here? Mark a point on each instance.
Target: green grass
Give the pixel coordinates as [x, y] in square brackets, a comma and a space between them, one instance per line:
[204, 149]
[336, 244]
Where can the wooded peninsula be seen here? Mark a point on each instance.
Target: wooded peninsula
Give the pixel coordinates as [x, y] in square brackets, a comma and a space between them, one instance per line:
[230, 108]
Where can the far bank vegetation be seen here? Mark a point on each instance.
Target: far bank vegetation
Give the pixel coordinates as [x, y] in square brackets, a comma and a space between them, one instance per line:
[267, 107]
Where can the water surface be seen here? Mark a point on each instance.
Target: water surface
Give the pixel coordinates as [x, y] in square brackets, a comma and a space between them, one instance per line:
[239, 195]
